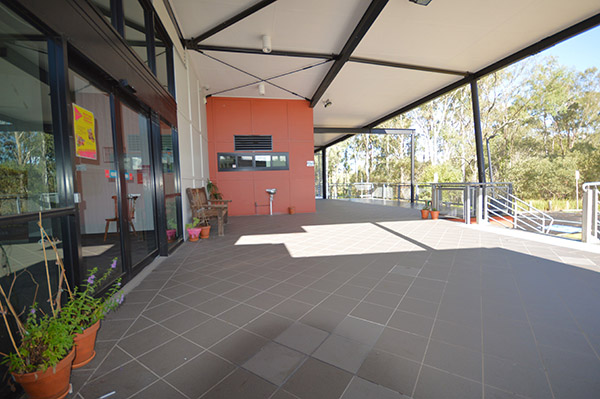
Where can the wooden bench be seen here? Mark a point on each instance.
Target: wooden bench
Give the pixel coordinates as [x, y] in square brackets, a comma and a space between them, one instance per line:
[201, 206]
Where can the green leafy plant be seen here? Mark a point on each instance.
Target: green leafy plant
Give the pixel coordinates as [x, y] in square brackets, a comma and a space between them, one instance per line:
[84, 309]
[434, 210]
[213, 191]
[45, 341]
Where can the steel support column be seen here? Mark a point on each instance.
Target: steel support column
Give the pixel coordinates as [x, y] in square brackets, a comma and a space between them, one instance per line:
[478, 135]
[324, 172]
[412, 167]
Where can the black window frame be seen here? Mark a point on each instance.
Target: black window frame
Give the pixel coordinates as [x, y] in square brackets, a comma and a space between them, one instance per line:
[253, 168]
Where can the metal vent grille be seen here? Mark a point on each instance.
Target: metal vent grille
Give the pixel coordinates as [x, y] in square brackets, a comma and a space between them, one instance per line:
[253, 143]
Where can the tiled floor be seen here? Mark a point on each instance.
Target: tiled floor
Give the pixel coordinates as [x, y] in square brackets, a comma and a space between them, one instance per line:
[355, 301]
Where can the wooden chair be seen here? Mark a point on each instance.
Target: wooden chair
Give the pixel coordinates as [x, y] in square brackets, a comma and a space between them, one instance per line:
[201, 205]
[130, 215]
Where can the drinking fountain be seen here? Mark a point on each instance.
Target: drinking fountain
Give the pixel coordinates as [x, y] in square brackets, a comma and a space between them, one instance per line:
[272, 192]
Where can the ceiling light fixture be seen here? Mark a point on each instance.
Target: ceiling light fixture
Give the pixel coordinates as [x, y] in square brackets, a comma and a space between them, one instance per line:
[327, 103]
[421, 2]
[266, 42]
[261, 88]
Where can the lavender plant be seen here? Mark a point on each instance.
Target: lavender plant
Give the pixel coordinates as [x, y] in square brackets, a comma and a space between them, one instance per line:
[84, 309]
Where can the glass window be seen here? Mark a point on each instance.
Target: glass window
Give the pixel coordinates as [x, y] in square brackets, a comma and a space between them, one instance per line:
[139, 208]
[174, 230]
[27, 158]
[135, 27]
[253, 161]
[104, 8]
[95, 180]
[162, 49]
[244, 161]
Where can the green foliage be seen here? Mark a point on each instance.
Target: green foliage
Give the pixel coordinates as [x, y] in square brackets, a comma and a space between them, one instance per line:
[47, 340]
[542, 120]
[84, 309]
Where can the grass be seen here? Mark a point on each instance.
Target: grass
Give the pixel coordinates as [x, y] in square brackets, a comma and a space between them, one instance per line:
[557, 205]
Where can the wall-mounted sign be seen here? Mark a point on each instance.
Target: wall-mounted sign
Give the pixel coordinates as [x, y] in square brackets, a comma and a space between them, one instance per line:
[110, 174]
[310, 163]
[85, 136]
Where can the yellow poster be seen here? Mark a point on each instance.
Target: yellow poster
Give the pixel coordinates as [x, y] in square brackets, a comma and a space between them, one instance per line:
[85, 136]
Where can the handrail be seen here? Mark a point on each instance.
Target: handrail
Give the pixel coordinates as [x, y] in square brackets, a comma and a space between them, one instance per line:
[587, 185]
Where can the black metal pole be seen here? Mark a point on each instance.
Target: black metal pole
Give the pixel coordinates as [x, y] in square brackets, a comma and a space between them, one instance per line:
[324, 171]
[412, 167]
[478, 135]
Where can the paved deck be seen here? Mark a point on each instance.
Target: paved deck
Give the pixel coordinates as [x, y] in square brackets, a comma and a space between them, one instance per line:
[355, 301]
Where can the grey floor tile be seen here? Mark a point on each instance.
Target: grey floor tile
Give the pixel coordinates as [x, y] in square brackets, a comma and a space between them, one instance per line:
[281, 394]
[269, 325]
[454, 359]
[177, 291]
[265, 300]
[317, 380]
[323, 319]
[302, 337]
[146, 340]
[406, 270]
[418, 306]
[292, 309]
[126, 381]
[339, 304]
[375, 313]
[436, 384]
[196, 298]
[164, 311]
[274, 362]
[241, 293]
[359, 330]
[563, 364]
[211, 368]
[241, 314]
[216, 306]
[506, 375]
[457, 334]
[568, 340]
[113, 329]
[185, 321]
[239, 346]
[391, 371]
[383, 298]
[169, 355]
[108, 361]
[126, 311]
[311, 296]
[342, 352]
[352, 291]
[411, 322]
[241, 385]
[209, 332]
[360, 388]
[159, 389]
[403, 344]
[140, 296]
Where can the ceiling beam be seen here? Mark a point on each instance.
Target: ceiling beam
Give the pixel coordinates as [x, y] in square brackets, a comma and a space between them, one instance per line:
[350, 130]
[283, 53]
[357, 35]
[511, 59]
[407, 66]
[226, 24]
[323, 56]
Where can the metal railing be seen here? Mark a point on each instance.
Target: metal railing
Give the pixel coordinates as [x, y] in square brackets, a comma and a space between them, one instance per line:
[384, 191]
[590, 228]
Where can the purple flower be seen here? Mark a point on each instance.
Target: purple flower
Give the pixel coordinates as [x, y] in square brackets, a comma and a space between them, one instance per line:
[120, 300]
[32, 311]
[90, 279]
[113, 265]
[118, 283]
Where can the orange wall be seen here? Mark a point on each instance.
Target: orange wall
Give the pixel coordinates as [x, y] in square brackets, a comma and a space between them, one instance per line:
[290, 122]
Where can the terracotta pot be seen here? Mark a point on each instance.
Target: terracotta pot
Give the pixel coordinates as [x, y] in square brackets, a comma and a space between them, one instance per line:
[292, 210]
[424, 214]
[205, 232]
[50, 384]
[435, 214]
[171, 234]
[84, 345]
[194, 233]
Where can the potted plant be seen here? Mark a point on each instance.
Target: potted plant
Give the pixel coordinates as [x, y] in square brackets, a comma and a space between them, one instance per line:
[425, 213]
[204, 223]
[213, 191]
[171, 222]
[194, 229]
[41, 362]
[83, 312]
[435, 214]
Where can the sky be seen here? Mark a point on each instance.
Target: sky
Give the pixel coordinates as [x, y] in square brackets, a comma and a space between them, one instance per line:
[580, 52]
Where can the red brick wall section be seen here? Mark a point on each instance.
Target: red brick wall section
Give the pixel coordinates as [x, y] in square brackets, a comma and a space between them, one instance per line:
[290, 122]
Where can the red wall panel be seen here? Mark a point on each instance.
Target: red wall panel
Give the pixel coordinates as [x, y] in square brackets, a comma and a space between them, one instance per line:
[290, 122]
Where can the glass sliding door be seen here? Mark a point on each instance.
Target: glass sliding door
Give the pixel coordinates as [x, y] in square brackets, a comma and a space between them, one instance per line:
[170, 182]
[96, 174]
[139, 187]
